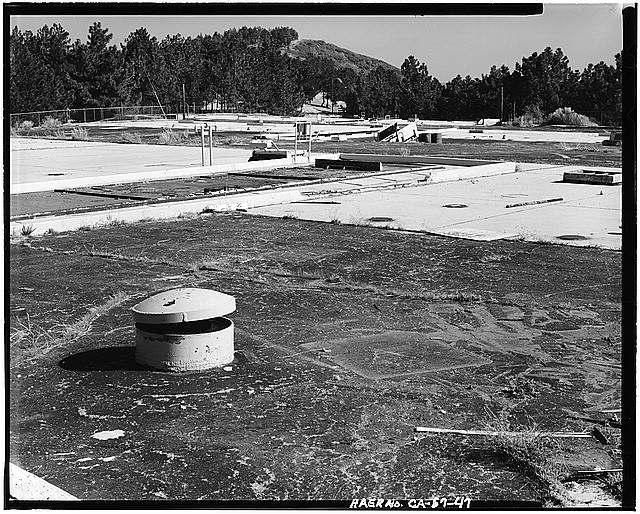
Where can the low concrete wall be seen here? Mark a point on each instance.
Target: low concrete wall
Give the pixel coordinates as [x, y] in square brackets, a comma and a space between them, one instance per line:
[478, 171]
[158, 211]
[415, 159]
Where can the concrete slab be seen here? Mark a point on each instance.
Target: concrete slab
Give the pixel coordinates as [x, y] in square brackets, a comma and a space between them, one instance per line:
[525, 135]
[27, 486]
[49, 163]
[396, 354]
[476, 208]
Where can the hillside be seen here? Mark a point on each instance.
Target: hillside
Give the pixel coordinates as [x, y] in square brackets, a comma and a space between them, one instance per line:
[343, 58]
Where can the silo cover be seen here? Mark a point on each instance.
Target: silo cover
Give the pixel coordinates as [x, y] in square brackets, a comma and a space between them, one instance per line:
[183, 304]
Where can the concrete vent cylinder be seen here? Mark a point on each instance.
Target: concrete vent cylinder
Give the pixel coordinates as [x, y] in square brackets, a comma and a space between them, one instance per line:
[184, 330]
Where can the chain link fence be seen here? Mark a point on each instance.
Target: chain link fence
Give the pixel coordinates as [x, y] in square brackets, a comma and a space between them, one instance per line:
[91, 114]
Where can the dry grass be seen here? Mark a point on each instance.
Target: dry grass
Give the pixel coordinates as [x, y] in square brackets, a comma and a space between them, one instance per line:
[131, 138]
[532, 117]
[527, 450]
[169, 137]
[50, 123]
[34, 341]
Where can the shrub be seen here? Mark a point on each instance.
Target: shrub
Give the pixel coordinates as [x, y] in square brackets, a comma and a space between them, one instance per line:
[26, 125]
[531, 117]
[565, 116]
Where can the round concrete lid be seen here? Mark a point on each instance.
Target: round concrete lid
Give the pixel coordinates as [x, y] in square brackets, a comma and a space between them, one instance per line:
[184, 304]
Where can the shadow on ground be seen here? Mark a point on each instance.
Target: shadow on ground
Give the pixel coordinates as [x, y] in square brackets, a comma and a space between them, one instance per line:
[103, 359]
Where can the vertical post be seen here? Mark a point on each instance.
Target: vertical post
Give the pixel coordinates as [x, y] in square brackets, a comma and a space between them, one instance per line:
[295, 147]
[310, 132]
[84, 115]
[202, 141]
[38, 118]
[501, 103]
[184, 101]
[332, 94]
[210, 147]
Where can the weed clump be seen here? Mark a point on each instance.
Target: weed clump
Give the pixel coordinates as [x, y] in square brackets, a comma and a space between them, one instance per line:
[79, 134]
[26, 125]
[27, 230]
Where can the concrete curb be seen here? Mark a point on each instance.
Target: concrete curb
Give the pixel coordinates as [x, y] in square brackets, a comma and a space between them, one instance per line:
[27, 486]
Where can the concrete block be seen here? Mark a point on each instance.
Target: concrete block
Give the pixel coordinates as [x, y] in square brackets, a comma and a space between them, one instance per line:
[343, 164]
[592, 177]
[268, 154]
[386, 132]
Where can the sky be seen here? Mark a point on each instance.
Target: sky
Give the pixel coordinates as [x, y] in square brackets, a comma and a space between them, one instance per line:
[449, 45]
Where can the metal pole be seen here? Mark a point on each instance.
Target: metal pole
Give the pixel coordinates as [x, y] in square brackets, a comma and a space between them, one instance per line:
[501, 103]
[310, 132]
[210, 147]
[202, 142]
[84, 114]
[295, 150]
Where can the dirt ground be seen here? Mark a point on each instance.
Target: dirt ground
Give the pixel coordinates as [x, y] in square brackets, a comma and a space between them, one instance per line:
[346, 339]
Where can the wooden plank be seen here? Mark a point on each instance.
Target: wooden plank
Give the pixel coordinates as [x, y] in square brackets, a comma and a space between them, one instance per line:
[500, 433]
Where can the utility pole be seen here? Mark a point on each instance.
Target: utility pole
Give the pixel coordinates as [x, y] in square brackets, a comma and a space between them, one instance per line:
[184, 102]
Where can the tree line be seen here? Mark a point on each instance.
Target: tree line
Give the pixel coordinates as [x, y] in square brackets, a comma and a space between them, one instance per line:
[249, 69]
